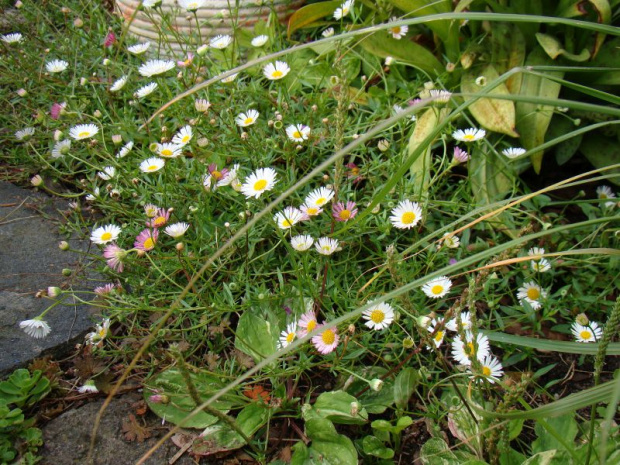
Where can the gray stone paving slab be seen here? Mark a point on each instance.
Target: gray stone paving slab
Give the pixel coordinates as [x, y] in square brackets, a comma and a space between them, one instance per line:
[30, 261]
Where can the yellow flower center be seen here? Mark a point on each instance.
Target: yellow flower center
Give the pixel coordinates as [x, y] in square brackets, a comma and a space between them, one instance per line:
[84, 134]
[468, 137]
[297, 135]
[321, 201]
[217, 175]
[328, 337]
[149, 243]
[585, 335]
[152, 168]
[287, 223]
[469, 348]
[277, 74]
[159, 221]
[106, 236]
[260, 185]
[437, 289]
[439, 336]
[248, 120]
[602, 195]
[290, 337]
[185, 139]
[102, 333]
[377, 316]
[312, 211]
[396, 30]
[311, 326]
[533, 293]
[486, 371]
[408, 217]
[326, 248]
[345, 214]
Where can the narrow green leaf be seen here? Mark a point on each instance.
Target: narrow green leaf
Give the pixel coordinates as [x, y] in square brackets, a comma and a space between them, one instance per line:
[553, 346]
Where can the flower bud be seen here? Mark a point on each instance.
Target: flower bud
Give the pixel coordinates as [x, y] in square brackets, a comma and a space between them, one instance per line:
[97, 114]
[383, 145]
[53, 291]
[63, 245]
[408, 343]
[22, 92]
[36, 180]
[117, 139]
[389, 61]
[582, 319]
[83, 81]
[202, 49]
[77, 22]
[180, 246]
[355, 408]
[376, 384]
[66, 272]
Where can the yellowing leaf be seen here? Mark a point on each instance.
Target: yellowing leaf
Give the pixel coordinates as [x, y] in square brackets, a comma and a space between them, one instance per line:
[493, 114]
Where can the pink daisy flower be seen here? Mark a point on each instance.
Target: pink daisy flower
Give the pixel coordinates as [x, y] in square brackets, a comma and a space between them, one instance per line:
[110, 39]
[344, 213]
[105, 289]
[326, 341]
[187, 62]
[146, 240]
[307, 323]
[460, 155]
[56, 109]
[216, 174]
[160, 219]
[115, 256]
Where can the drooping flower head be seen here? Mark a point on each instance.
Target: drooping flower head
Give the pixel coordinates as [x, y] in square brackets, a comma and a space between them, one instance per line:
[100, 333]
[110, 39]
[36, 328]
[605, 193]
[114, 256]
[460, 155]
[437, 330]
[513, 152]
[155, 67]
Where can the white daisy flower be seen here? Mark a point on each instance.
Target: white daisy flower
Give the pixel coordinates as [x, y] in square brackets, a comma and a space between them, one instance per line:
[319, 197]
[490, 370]
[302, 243]
[540, 266]
[230, 177]
[155, 67]
[531, 293]
[288, 335]
[24, 134]
[437, 287]
[328, 32]
[13, 38]
[94, 195]
[150, 165]
[298, 132]
[406, 215]
[450, 241]
[436, 327]
[379, 317]
[220, 42]
[247, 119]
[176, 229]
[108, 173]
[513, 152]
[605, 193]
[464, 352]
[61, 148]
[397, 109]
[145, 90]
[169, 150]
[150, 3]
[139, 49]
[56, 66]
[125, 149]
[260, 181]
[192, 5]
[105, 234]
[288, 218]
[343, 10]
[275, 71]
[202, 105]
[326, 245]
[88, 388]
[590, 333]
[469, 135]
[118, 84]
[259, 41]
[398, 32]
[83, 131]
[36, 328]
[184, 135]
[440, 96]
[100, 333]
[465, 323]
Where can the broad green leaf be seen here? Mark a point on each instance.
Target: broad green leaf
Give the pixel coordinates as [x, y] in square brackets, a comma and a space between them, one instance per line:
[533, 119]
[565, 150]
[340, 407]
[555, 433]
[550, 457]
[511, 457]
[255, 336]
[421, 166]
[602, 151]
[554, 49]
[493, 114]
[383, 45]
[221, 437]
[508, 52]
[491, 179]
[327, 446]
[309, 14]
[404, 385]
[401, 424]
[373, 446]
[463, 426]
[177, 403]
[435, 451]
[608, 57]
[419, 8]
